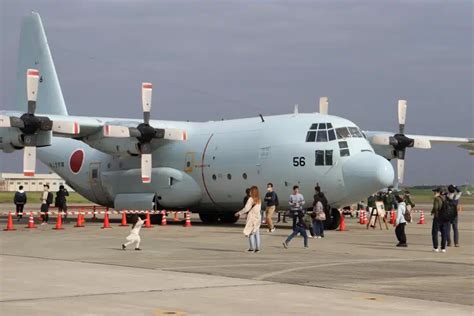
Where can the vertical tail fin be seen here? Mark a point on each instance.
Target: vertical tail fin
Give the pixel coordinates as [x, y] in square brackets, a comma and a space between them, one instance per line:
[34, 53]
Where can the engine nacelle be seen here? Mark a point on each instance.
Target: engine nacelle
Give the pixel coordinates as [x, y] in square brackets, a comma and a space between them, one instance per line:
[120, 146]
[11, 139]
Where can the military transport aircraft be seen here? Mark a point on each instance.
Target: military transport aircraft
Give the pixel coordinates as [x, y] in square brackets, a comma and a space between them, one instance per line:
[203, 166]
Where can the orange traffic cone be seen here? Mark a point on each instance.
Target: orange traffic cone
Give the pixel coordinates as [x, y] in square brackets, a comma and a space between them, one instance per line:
[362, 217]
[31, 221]
[342, 225]
[422, 218]
[80, 220]
[106, 221]
[147, 220]
[187, 223]
[59, 222]
[163, 218]
[10, 223]
[175, 219]
[124, 219]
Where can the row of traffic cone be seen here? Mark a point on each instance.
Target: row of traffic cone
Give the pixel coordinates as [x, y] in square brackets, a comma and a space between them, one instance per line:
[81, 221]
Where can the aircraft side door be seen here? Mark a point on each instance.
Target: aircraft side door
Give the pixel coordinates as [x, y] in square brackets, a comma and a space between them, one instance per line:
[96, 183]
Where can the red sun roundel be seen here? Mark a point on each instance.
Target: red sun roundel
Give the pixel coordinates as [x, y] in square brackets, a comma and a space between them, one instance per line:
[76, 160]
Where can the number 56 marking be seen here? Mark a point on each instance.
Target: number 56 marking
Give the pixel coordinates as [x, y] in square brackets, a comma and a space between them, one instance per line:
[299, 162]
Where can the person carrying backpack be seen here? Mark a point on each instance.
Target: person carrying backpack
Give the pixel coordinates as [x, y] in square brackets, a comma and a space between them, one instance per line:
[271, 198]
[319, 216]
[401, 221]
[61, 202]
[453, 196]
[299, 228]
[19, 200]
[46, 201]
[441, 218]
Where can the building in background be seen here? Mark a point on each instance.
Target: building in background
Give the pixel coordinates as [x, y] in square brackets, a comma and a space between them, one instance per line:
[9, 182]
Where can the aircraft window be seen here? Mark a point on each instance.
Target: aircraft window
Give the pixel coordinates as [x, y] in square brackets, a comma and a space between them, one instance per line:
[188, 164]
[311, 136]
[331, 134]
[319, 157]
[322, 136]
[322, 125]
[244, 175]
[343, 145]
[314, 126]
[345, 152]
[355, 132]
[214, 177]
[328, 125]
[94, 173]
[342, 132]
[328, 157]
[229, 176]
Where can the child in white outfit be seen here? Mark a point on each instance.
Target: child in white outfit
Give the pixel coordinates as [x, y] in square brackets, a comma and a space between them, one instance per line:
[135, 233]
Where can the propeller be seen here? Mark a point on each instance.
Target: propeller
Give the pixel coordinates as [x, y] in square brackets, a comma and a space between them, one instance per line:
[31, 126]
[144, 133]
[400, 142]
[323, 105]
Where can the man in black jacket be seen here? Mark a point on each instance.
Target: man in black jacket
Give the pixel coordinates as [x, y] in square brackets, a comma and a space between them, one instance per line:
[20, 201]
[61, 200]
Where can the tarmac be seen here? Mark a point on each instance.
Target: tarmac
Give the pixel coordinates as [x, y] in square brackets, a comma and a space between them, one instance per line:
[206, 270]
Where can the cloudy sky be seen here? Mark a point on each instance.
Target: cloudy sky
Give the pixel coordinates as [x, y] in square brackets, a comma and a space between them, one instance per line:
[215, 59]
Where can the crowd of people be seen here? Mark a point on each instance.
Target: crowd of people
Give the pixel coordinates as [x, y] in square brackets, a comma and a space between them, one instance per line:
[444, 213]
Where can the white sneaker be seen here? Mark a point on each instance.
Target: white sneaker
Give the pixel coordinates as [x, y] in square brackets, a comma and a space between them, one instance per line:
[272, 230]
[435, 250]
[319, 237]
[443, 250]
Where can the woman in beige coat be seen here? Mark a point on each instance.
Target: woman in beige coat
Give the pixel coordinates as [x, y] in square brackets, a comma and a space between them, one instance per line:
[252, 226]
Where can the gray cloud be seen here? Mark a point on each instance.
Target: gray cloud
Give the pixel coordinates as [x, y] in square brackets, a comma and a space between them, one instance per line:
[210, 60]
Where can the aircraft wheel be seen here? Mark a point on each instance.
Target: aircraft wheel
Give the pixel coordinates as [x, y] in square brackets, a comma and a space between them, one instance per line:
[228, 218]
[332, 221]
[209, 218]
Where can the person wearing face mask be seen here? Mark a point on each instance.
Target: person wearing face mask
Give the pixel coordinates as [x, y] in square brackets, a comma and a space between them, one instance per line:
[271, 198]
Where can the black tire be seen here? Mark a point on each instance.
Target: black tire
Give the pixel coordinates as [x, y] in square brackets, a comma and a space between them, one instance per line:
[332, 222]
[209, 218]
[228, 218]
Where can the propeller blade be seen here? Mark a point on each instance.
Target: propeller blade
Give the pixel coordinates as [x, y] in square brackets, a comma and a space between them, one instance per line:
[146, 168]
[381, 140]
[175, 134]
[5, 121]
[323, 105]
[422, 143]
[402, 112]
[29, 161]
[32, 79]
[400, 170]
[146, 101]
[116, 131]
[66, 127]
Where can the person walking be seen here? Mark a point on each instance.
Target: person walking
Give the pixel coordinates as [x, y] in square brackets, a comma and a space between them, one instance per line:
[46, 200]
[296, 202]
[400, 222]
[134, 236]
[319, 217]
[61, 202]
[439, 225]
[453, 196]
[300, 228]
[247, 195]
[19, 200]
[271, 198]
[252, 226]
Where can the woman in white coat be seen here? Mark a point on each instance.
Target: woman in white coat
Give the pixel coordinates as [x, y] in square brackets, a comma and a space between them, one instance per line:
[252, 226]
[134, 235]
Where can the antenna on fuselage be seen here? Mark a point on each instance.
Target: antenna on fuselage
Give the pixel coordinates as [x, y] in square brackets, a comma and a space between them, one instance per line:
[323, 105]
[295, 111]
[261, 117]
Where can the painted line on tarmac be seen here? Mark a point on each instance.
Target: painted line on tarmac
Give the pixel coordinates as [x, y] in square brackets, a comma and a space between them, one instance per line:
[334, 264]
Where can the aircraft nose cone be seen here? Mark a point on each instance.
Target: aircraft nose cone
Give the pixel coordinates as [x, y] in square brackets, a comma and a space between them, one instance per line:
[366, 173]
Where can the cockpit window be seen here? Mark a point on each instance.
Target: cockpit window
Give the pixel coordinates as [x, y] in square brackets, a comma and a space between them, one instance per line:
[355, 132]
[328, 125]
[322, 136]
[342, 132]
[314, 126]
[331, 135]
[322, 125]
[311, 136]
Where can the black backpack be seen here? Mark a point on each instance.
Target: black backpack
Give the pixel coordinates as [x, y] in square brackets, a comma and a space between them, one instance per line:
[49, 199]
[447, 211]
[277, 202]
